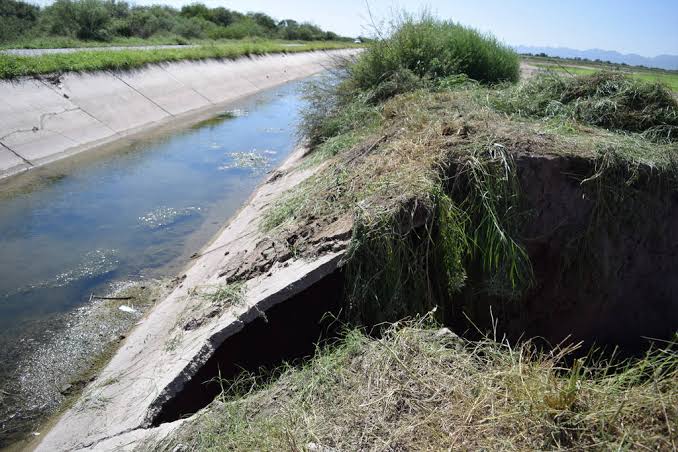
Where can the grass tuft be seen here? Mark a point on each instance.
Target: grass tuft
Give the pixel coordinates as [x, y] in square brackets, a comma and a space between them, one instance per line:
[487, 190]
[226, 294]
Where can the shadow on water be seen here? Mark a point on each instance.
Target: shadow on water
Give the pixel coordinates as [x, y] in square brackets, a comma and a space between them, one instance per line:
[138, 214]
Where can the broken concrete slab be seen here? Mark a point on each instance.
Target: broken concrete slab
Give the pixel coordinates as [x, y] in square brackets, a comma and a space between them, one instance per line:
[133, 440]
[161, 355]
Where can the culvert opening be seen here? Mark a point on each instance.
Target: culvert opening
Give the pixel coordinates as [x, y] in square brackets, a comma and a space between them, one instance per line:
[287, 332]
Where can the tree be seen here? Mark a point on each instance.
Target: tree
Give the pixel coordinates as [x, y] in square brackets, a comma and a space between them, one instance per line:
[91, 17]
[222, 16]
[196, 10]
[263, 20]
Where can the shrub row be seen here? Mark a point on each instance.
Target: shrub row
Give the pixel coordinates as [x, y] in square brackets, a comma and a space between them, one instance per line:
[104, 20]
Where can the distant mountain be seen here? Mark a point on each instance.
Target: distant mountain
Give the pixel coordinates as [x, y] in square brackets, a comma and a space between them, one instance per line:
[661, 61]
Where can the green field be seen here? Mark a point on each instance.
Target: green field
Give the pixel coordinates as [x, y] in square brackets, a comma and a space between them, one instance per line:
[668, 78]
[12, 66]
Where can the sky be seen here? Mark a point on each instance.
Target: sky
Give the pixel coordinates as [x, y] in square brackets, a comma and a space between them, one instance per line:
[645, 27]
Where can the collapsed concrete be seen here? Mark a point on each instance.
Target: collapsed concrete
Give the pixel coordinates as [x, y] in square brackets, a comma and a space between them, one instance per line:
[180, 335]
[51, 117]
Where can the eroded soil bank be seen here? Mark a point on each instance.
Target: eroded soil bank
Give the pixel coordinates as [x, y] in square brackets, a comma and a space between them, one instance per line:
[602, 252]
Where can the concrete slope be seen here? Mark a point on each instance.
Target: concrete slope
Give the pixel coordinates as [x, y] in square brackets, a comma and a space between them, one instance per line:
[181, 333]
[49, 118]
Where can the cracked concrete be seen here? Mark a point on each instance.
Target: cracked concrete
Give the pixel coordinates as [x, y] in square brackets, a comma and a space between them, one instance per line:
[160, 356]
[46, 119]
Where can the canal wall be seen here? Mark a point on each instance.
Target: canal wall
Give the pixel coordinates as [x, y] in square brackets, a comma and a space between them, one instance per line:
[44, 119]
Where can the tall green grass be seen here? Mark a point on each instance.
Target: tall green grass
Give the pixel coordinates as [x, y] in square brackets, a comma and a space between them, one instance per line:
[432, 49]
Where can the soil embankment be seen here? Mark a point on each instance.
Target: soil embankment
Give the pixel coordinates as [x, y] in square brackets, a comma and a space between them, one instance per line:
[51, 117]
[601, 252]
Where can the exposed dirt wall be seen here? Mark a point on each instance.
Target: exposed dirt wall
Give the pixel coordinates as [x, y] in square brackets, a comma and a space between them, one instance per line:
[603, 257]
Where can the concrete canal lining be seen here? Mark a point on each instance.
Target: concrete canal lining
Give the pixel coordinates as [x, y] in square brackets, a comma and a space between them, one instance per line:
[45, 119]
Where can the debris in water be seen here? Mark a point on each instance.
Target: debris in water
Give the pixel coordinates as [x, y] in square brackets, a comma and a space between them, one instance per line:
[125, 308]
[236, 113]
[256, 160]
[94, 264]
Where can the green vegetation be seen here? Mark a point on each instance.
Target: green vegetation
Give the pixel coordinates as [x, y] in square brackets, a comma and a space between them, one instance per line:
[670, 80]
[610, 100]
[416, 145]
[65, 23]
[419, 388]
[226, 294]
[12, 66]
[429, 49]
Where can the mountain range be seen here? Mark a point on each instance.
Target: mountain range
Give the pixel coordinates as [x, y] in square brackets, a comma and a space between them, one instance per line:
[660, 61]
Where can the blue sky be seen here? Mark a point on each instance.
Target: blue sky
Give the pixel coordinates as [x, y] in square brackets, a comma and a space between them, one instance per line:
[647, 27]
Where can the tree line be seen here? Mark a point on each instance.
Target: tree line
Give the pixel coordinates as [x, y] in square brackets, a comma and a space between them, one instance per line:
[105, 20]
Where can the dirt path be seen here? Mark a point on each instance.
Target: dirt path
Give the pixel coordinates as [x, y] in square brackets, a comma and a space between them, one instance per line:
[528, 70]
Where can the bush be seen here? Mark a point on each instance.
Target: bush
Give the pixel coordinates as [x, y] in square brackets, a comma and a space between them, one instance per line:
[84, 19]
[244, 28]
[16, 18]
[605, 99]
[433, 49]
[194, 27]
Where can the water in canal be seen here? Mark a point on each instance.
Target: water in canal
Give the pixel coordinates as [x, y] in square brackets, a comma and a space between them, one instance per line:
[132, 215]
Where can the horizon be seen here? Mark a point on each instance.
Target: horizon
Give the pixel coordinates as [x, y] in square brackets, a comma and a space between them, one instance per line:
[623, 26]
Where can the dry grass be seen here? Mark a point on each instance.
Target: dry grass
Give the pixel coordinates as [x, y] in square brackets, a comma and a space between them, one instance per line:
[419, 388]
[404, 152]
[606, 99]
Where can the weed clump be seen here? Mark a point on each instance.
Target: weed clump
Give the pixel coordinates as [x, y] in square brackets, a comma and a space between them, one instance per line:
[605, 99]
[227, 294]
[428, 49]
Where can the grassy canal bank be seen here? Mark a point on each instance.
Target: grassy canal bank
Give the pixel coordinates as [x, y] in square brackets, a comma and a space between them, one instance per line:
[503, 210]
[13, 66]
